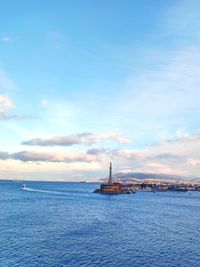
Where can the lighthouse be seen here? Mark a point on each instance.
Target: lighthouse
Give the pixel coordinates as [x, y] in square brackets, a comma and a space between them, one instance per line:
[110, 174]
[111, 187]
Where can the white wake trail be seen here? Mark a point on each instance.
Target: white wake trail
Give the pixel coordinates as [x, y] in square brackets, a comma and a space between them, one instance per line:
[44, 191]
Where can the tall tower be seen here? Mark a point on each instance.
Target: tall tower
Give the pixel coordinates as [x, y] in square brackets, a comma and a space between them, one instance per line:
[110, 174]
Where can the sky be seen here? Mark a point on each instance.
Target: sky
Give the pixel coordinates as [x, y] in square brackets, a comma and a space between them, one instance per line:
[83, 83]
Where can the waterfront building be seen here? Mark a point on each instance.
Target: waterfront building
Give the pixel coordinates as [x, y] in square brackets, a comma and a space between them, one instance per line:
[110, 187]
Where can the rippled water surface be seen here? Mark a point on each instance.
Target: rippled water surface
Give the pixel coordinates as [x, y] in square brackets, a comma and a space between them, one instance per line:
[65, 224]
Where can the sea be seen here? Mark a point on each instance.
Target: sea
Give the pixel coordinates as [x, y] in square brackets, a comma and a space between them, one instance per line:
[55, 224]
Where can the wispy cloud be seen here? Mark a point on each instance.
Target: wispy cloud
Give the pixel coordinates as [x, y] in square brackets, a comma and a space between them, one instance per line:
[183, 20]
[101, 151]
[6, 117]
[164, 98]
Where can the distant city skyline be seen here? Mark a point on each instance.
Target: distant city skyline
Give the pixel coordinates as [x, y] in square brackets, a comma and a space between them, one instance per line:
[83, 83]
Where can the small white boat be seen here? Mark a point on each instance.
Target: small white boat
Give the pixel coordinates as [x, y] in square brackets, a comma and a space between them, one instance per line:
[23, 186]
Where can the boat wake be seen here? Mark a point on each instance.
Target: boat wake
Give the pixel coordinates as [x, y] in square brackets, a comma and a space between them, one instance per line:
[44, 191]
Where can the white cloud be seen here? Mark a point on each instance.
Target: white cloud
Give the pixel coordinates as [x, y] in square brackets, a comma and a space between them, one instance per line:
[5, 82]
[178, 156]
[85, 139]
[6, 39]
[93, 104]
[44, 156]
[45, 103]
[115, 136]
[5, 103]
[193, 162]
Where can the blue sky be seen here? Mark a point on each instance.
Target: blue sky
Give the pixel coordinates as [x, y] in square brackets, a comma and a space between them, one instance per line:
[86, 82]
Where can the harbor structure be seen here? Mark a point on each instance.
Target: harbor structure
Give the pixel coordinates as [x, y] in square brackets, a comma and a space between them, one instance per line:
[111, 187]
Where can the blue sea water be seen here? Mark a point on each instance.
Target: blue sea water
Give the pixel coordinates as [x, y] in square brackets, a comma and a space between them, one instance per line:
[65, 224]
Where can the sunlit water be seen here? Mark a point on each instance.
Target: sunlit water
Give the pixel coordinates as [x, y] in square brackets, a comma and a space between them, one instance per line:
[65, 224]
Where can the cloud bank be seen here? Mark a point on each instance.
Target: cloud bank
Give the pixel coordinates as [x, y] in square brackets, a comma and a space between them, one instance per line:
[180, 156]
